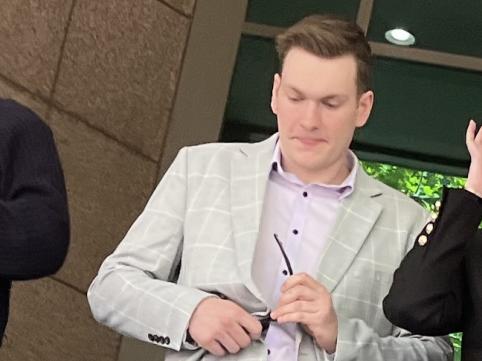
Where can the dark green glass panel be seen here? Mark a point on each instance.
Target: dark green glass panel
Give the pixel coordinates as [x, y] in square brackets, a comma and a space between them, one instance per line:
[422, 109]
[286, 12]
[250, 93]
[447, 26]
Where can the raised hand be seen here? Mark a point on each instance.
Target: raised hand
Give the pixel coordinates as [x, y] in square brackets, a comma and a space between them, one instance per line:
[474, 145]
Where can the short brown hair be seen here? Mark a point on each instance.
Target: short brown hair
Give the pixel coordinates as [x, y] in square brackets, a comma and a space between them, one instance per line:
[329, 36]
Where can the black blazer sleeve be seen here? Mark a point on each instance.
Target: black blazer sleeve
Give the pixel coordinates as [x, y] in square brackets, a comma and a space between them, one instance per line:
[427, 294]
[34, 221]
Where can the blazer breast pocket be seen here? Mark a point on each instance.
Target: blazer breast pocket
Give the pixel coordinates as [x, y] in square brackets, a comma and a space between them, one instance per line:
[361, 291]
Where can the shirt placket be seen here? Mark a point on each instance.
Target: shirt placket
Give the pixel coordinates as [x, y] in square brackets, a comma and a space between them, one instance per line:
[291, 242]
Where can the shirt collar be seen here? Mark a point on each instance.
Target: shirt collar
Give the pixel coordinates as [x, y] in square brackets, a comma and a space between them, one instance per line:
[344, 189]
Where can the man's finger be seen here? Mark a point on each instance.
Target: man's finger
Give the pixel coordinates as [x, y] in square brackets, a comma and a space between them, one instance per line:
[251, 325]
[228, 343]
[215, 348]
[298, 317]
[240, 336]
[299, 279]
[470, 134]
[298, 292]
[294, 307]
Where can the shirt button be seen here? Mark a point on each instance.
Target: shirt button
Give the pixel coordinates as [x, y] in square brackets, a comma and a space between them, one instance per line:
[295, 231]
[305, 194]
[285, 272]
[269, 351]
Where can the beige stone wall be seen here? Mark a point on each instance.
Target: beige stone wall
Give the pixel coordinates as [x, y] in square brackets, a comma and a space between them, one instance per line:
[103, 75]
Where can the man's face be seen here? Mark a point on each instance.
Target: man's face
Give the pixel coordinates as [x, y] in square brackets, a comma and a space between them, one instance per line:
[318, 108]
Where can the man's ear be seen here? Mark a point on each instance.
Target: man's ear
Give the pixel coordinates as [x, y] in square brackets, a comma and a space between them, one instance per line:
[365, 104]
[274, 93]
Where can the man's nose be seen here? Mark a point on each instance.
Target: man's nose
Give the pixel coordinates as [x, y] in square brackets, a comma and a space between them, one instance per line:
[311, 116]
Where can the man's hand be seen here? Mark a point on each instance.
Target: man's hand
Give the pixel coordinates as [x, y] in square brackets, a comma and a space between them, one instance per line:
[474, 145]
[221, 326]
[306, 301]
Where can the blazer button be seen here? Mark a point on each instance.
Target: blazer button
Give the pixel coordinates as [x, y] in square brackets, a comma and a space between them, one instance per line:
[168, 340]
[162, 340]
[429, 228]
[422, 240]
[150, 336]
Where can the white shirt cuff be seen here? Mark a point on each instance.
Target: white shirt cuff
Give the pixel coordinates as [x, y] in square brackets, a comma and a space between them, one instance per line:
[329, 356]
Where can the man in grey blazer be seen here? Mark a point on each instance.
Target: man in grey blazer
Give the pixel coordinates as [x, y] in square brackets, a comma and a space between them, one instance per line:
[289, 233]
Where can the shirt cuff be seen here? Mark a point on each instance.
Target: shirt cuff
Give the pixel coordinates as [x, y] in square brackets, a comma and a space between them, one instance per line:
[329, 356]
[188, 343]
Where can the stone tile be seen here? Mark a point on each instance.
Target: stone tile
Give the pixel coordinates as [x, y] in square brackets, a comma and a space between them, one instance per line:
[50, 321]
[132, 349]
[108, 186]
[7, 91]
[120, 68]
[32, 32]
[185, 6]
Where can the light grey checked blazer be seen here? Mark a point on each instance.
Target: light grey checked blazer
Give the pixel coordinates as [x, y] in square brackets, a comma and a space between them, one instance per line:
[206, 212]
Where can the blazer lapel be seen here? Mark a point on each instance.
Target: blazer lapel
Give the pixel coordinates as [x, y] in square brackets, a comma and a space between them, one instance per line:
[250, 170]
[356, 217]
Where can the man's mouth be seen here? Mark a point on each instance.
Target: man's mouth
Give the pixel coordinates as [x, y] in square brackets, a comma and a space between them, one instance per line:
[308, 141]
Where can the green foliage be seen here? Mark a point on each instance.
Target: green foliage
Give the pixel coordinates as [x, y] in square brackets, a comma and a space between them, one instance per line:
[424, 187]
[456, 339]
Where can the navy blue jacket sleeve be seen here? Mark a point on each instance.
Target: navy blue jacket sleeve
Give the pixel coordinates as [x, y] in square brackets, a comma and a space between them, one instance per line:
[34, 220]
[429, 294]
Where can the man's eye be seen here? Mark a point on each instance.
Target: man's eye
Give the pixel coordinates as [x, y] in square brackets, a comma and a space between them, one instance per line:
[294, 99]
[332, 105]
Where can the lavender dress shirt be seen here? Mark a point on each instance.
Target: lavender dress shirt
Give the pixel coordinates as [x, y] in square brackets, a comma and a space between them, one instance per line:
[302, 216]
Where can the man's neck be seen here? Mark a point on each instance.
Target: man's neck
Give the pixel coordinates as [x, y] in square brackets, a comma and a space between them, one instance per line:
[333, 175]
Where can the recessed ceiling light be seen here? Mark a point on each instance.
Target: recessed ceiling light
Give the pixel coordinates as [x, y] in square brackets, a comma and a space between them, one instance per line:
[400, 37]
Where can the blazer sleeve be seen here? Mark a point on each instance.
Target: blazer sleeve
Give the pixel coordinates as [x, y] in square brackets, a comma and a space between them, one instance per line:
[133, 292]
[34, 221]
[428, 290]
